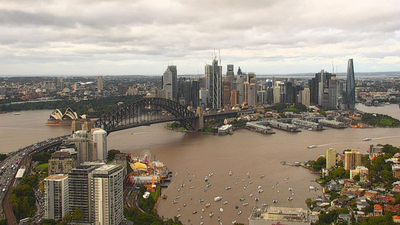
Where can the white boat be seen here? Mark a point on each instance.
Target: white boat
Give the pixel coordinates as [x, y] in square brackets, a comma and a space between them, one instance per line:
[275, 200]
[312, 187]
[290, 199]
[17, 113]
[256, 199]
[262, 176]
[230, 173]
[228, 188]
[179, 215]
[221, 209]
[208, 184]
[290, 189]
[208, 205]
[201, 200]
[240, 212]
[211, 214]
[206, 178]
[312, 146]
[366, 139]
[225, 202]
[246, 203]
[218, 198]
[234, 221]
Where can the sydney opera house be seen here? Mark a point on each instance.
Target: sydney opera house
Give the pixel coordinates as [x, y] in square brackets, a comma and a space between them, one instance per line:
[57, 118]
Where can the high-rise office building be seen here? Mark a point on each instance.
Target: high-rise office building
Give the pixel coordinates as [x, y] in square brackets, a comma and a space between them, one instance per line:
[226, 93]
[195, 93]
[350, 86]
[230, 74]
[352, 159]
[240, 86]
[330, 158]
[277, 94]
[203, 97]
[215, 88]
[305, 97]
[100, 138]
[252, 94]
[234, 97]
[170, 82]
[332, 93]
[56, 196]
[81, 196]
[108, 194]
[100, 83]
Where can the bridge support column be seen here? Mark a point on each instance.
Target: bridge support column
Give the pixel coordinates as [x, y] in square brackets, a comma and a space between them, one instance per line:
[199, 124]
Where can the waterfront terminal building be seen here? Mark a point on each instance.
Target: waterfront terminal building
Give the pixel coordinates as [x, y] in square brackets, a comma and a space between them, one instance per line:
[269, 215]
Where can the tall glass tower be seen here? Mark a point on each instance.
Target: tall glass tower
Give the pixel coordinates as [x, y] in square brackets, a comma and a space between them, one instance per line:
[350, 86]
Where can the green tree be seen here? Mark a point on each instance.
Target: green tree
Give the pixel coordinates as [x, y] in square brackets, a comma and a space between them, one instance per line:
[3, 222]
[48, 222]
[111, 154]
[3, 157]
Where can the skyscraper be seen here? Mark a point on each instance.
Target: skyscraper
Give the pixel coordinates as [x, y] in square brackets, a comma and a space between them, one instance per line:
[230, 74]
[215, 87]
[56, 196]
[195, 94]
[305, 97]
[108, 194]
[240, 86]
[330, 158]
[332, 93]
[350, 86]
[170, 82]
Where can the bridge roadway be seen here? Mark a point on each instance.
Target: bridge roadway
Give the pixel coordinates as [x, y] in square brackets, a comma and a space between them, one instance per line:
[10, 167]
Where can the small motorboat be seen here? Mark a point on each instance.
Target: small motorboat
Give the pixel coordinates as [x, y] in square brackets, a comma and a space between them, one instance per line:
[218, 198]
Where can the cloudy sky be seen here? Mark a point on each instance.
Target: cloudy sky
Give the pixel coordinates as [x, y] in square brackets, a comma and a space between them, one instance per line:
[120, 37]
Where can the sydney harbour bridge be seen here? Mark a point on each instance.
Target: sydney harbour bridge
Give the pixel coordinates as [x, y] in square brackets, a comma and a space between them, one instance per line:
[143, 111]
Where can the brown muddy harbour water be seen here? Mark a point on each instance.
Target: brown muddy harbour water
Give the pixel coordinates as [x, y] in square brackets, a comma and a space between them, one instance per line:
[193, 156]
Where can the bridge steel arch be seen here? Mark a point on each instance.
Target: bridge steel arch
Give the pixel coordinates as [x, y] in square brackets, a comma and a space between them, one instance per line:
[140, 112]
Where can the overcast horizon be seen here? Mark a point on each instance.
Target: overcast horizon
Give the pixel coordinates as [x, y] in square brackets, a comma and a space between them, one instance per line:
[125, 37]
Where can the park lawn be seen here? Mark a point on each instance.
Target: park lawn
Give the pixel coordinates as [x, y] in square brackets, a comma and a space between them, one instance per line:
[42, 167]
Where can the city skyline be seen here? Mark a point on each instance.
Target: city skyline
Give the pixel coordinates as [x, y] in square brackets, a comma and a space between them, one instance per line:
[142, 38]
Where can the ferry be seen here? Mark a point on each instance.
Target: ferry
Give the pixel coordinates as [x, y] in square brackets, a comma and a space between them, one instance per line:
[312, 146]
[366, 139]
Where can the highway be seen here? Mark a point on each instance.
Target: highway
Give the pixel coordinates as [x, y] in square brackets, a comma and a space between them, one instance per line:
[8, 170]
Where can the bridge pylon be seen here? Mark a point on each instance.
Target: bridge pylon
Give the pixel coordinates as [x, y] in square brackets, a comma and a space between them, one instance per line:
[199, 121]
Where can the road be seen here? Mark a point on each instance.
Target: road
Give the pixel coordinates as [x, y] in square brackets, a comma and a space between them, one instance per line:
[8, 171]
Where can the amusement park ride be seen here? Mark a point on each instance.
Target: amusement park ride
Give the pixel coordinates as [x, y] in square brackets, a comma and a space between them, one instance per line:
[146, 172]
